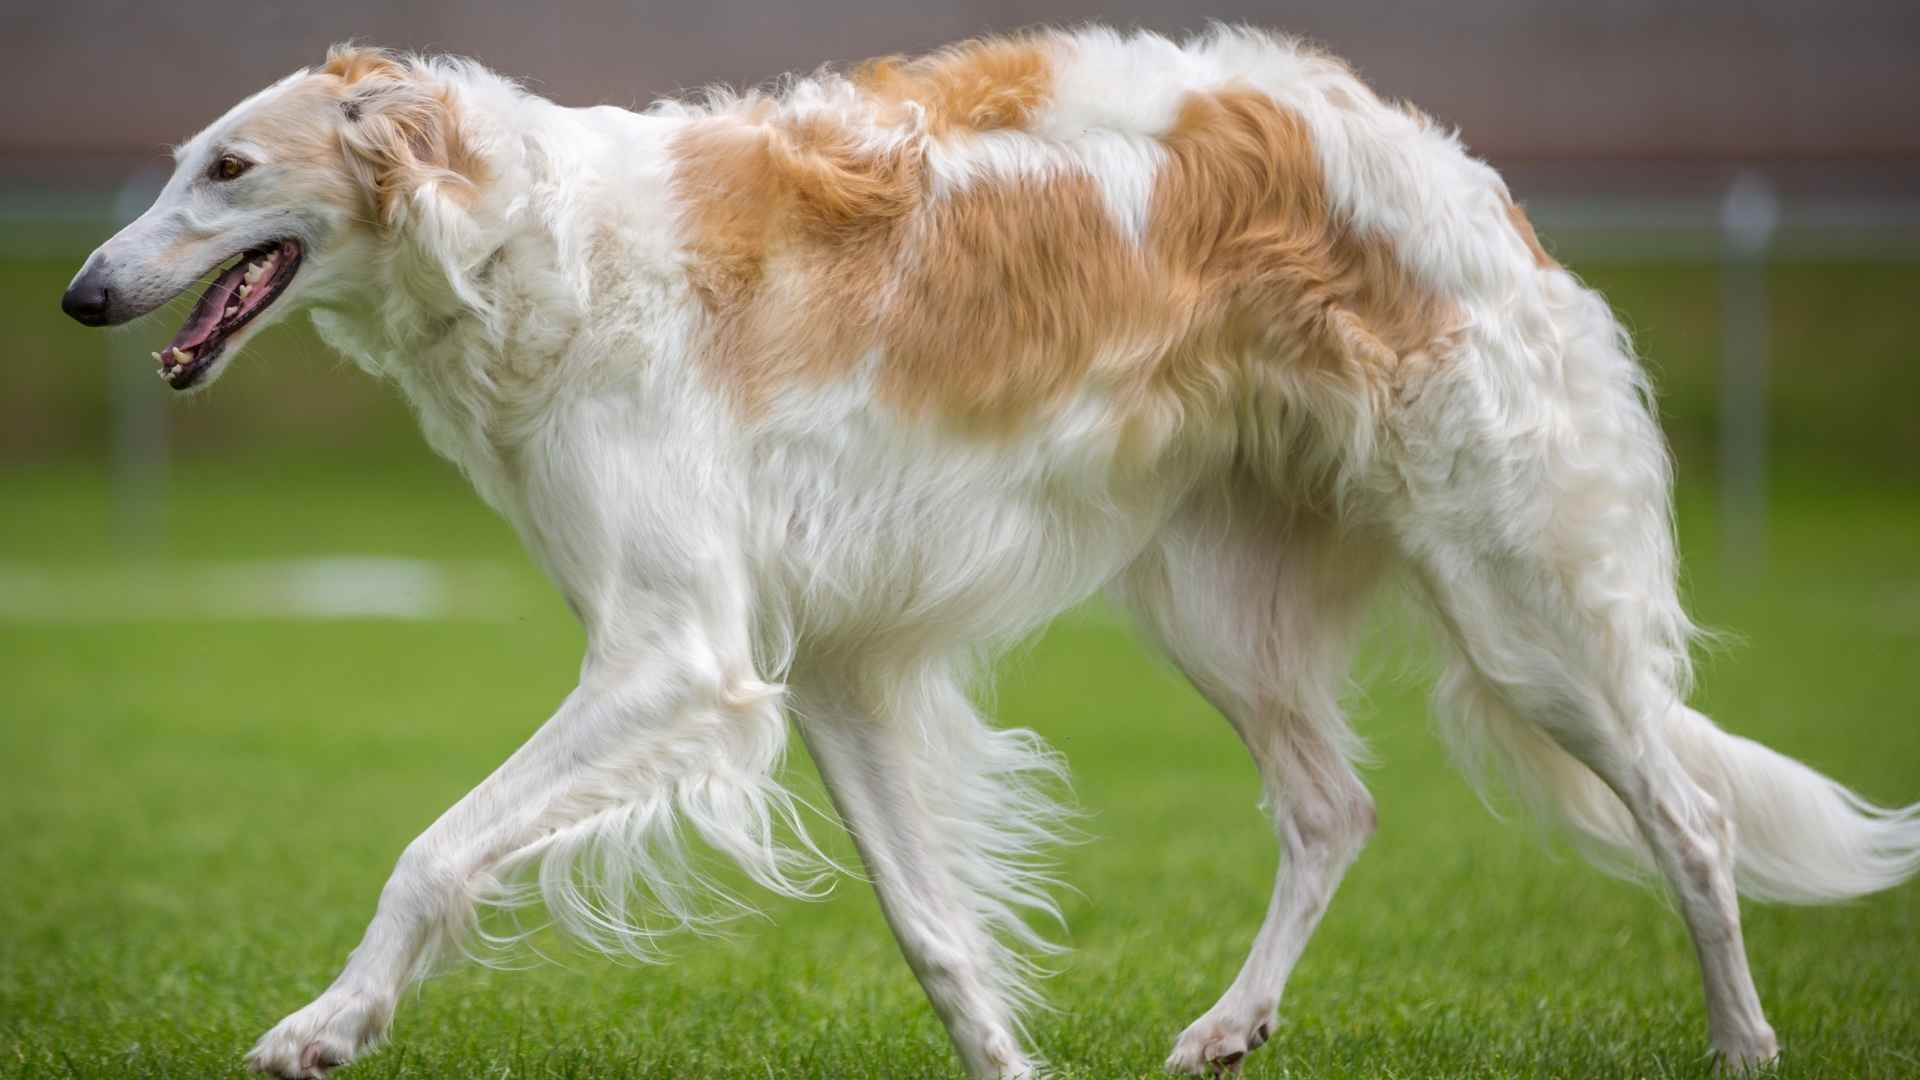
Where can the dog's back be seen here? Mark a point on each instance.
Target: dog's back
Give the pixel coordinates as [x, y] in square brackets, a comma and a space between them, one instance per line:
[1111, 229]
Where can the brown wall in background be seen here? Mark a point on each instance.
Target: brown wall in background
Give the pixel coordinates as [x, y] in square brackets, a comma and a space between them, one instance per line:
[1685, 79]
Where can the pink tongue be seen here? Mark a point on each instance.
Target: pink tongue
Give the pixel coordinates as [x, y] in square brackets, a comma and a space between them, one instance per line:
[206, 314]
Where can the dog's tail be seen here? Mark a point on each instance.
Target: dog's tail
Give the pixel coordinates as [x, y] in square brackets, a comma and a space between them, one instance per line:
[1574, 647]
[1798, 836]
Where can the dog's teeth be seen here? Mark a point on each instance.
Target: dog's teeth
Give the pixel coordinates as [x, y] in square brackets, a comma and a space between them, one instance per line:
[244, 290]
[254, 272]
[182, 357]
[232, 311]
[156, 357]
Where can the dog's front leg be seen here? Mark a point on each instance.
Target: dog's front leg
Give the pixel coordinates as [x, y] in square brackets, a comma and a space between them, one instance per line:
[425, 900]
[674, 733]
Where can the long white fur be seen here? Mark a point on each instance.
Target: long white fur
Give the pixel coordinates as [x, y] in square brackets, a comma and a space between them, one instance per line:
[850, 567]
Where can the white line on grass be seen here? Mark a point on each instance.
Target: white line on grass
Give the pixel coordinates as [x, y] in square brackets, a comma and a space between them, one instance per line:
[338, 587]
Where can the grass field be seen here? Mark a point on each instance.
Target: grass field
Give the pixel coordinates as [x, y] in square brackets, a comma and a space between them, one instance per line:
[196, 814]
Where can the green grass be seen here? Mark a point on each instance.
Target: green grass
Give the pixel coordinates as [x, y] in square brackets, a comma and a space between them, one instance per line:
[197, 816]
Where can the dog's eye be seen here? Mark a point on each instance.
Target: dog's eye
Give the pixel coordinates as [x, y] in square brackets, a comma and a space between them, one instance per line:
[230, 166]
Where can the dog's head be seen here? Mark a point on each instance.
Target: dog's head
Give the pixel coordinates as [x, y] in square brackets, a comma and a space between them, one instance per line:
[289, 197]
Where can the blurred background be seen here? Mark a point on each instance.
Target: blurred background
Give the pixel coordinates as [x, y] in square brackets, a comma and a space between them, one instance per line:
[267, 613]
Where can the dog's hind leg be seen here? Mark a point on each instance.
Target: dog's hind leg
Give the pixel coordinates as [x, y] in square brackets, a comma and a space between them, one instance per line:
[1258, 606]
[1537, 678]
[952, 818]
[1536, 519]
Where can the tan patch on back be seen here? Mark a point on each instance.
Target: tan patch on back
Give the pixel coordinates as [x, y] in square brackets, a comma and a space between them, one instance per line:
[793, 230]
[987, 305]
[1243, 233]
[1525, 228]
[980, 85]
[1241, 218]
[807, 244]
[995, 304]
[1016, 295]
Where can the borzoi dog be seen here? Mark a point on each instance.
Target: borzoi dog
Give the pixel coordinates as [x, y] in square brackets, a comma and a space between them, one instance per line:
[809, 398]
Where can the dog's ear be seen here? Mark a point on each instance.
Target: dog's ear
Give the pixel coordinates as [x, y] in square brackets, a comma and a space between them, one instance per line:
[401, 138]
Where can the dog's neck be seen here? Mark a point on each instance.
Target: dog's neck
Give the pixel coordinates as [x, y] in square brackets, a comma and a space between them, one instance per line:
[475, 313]
[438, 324]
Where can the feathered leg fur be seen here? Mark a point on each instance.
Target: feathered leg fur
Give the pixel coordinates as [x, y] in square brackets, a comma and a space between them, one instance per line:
[953, 820]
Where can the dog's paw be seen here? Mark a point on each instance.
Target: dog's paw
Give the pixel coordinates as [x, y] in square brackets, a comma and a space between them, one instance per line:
[1217, 1043]
[337, 1027]
[1748, 1052]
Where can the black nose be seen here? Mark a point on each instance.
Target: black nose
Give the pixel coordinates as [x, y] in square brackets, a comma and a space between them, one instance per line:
[87, 299]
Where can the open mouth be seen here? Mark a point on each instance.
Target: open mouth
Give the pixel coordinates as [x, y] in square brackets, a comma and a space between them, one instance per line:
[241, 292]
